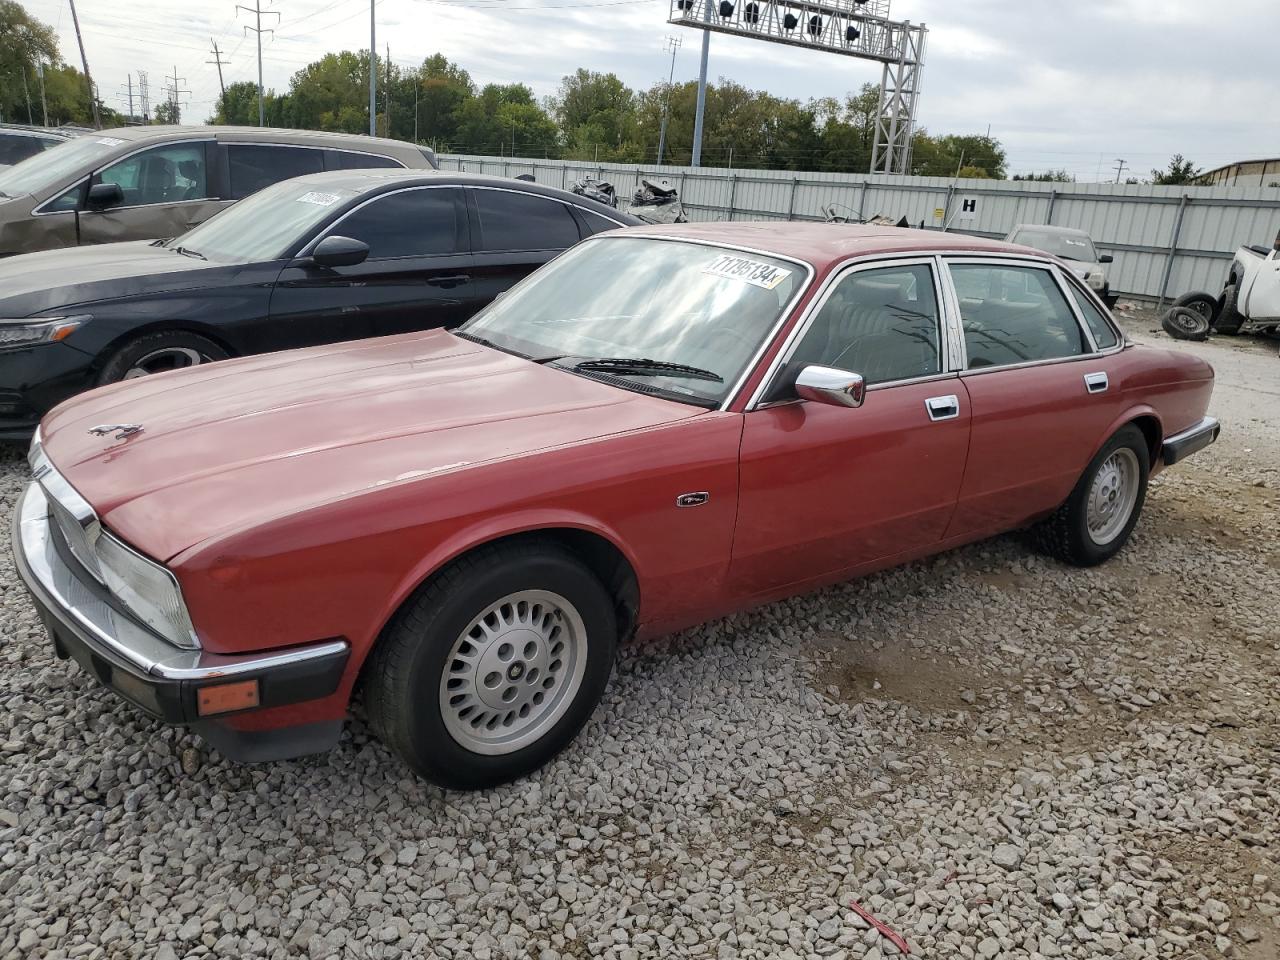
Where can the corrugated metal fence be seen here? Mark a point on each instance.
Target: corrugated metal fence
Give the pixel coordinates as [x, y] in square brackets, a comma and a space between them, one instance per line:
[1166, 240]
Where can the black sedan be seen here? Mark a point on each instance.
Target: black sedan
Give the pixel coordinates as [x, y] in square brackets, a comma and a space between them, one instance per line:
[327, 257]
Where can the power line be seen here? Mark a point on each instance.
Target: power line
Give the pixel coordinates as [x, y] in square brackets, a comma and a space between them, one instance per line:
[256, 10]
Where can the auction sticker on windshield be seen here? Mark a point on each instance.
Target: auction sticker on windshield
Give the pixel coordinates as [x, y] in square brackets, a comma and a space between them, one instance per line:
[319, 199]
[755, 272]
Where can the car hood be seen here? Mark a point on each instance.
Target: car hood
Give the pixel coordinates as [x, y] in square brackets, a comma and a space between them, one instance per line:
[1082, 268]
[50, 280]
[238, 443]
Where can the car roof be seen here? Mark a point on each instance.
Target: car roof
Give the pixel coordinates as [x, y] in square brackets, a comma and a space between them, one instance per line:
[322, 138]
[823, 244]
[1045, 228]
[378, 179]
[25, 130]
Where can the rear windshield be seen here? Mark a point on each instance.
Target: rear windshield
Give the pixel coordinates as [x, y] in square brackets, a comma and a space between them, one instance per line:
[1068, 246]
[55, 165]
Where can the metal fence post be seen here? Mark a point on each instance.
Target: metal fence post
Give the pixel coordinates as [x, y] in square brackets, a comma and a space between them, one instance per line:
[733, 193]
[791, 202]
[1173, 250]
[564, 174]
[1053, 199]
[862, 200]
[946, 205]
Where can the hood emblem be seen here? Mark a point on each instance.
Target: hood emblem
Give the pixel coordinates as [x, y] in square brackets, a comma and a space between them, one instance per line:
[124, 430]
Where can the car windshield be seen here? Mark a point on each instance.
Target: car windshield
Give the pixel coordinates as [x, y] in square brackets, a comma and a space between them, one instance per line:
[265, 225]
[1068, 246]
[628, 308]
[52, 167]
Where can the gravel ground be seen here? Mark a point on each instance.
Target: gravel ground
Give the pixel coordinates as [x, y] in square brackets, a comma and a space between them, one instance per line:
[994, 755]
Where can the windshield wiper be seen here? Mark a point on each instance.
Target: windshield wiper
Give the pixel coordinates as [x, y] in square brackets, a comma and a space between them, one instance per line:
[188, 252]
[643, 367]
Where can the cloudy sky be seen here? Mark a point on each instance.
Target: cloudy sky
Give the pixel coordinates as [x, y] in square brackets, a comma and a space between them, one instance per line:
[1072, 86]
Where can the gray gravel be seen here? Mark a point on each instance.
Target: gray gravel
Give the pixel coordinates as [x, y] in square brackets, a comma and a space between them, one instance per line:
[994, 755]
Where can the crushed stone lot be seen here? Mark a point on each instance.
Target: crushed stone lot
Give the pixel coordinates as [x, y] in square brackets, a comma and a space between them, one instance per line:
[993, 754]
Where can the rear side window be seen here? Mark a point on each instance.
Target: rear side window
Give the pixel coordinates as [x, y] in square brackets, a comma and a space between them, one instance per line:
[1014, 315]
[254, 166]
[353, 160]
[411, 223]
[15, 149]
[596, 223]
[1103, 334]
[522, 221]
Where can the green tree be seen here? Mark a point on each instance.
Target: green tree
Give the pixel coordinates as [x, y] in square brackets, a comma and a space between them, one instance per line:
[167, 112]
[24, 41]
[443, 88]
[1049, 176]
[954, 155]
[1180, 170]
[596, 110]
[503, 118]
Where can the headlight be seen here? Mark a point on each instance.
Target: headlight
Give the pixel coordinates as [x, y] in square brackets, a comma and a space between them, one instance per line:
[1096, 280]
[150, 591]
[26, 333]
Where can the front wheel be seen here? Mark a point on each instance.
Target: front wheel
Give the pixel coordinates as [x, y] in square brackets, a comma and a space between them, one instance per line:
[1229, 319]
[1205, 304]
[159, 353]
[1097, 519]
[493, 666]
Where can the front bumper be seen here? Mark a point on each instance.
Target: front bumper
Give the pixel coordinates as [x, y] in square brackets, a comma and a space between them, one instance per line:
[1182, 445]
[34, 380]
[88, 625]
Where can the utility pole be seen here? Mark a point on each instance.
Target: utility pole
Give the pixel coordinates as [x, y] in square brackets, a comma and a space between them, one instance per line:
[128, 96]
[218, 62]
[174, 91]
[44, 106]
[671, 46]
[256, 10]
[84, 61]
[144, 96]
[386, 94]
[26, 93]
[416, 83]
[1120, 165]
[698, 117]
[373, 70]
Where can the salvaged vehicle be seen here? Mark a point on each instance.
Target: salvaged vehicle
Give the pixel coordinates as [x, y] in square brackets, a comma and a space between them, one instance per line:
[1074, 246]
[1250, 301]
[465, 524]
[317, 259]
[146, 183]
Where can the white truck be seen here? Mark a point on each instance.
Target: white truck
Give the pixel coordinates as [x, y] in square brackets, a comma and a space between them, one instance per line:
[1250, 302]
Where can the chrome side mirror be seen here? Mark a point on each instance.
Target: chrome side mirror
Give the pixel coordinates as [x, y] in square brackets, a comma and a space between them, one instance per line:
[836, 388]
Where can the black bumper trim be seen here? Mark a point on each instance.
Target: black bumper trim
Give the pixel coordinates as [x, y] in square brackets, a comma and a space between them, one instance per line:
[1182, 445]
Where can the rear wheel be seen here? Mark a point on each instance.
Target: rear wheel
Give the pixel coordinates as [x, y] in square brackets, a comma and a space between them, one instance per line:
[158, 353]
[1097, 519]
[493, 666]
[1205, 304]
[1183, 323]
[1229, 316]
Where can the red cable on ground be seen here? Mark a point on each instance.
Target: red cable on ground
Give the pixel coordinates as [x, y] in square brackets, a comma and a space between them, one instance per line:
[881, 928]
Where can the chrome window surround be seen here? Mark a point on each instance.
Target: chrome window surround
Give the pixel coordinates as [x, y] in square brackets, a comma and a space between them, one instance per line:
[310, 245]
[38, 211]
[846, 269]
[1075, 285]
[81, 529]
[540, 196]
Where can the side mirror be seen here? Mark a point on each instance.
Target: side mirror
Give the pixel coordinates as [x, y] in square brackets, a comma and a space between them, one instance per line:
[1106, 258]
[836, 388]
[339, 252]
[104, 195]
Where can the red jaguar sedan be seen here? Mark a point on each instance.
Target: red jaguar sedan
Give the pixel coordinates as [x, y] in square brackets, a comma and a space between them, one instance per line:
[664, 425]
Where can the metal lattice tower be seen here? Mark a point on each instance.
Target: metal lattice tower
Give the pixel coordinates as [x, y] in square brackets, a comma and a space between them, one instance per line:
[144, 96]
[852, 28]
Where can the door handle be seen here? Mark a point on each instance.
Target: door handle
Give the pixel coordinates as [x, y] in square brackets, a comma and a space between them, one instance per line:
[1096, 382]
[943, 408]
[450, 281]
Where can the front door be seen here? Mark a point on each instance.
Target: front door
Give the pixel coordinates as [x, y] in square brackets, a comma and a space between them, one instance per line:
[166, 191]
[1042, 393]
[825, 490]
[515, 233]
[1264, 298]
[417, 275]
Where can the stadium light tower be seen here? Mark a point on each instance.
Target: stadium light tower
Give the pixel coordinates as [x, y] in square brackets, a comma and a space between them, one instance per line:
[853, 28]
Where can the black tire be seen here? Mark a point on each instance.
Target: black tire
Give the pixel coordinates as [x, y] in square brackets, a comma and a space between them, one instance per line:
[403, 692]
[1066, 535]
[1183, 323]
[1229, 317]
[1205, 304]
[174, 344]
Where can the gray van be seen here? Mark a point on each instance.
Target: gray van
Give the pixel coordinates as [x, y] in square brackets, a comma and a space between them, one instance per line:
[142, 183]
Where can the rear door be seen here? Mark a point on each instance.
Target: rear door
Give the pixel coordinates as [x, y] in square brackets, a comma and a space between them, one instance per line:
[514, 233]
[167, 191]
[1043, 391]
[416, 277]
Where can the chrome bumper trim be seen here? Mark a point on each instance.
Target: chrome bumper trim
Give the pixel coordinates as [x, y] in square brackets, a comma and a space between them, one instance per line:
[85, 609]
[1192, 440]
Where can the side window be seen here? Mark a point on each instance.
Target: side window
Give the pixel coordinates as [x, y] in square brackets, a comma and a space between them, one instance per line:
[15, 149]
[70, 200]
[1014, 315]
[352, 160]
[595, 222]
[882, 324]
[254, 166]
[167, 174]
[412, 223]
[522, 221]
[1103, 333]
